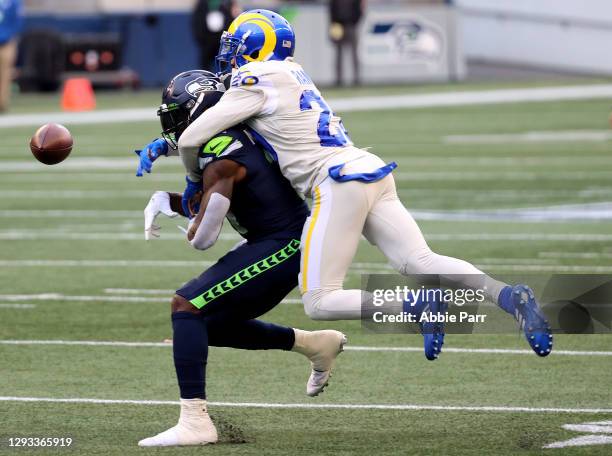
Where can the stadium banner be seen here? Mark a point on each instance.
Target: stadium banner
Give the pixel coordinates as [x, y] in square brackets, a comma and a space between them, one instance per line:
[572, 303]
[397, 43]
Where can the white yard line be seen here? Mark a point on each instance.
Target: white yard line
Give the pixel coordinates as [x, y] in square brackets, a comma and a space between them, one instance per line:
[272, 405]
[119, 163]
[105, 263]
[138, 291]
[86, 298]
[366, 103]
[75, 194]
[166, 292]
[17, 306]
[170, 236]
[532, 137]
[20, 235]
[125, 177]
[150, 297]
[577, 212]
[577, 255]
[357, 348]
[68, 213]
[482, 176]
[382, 270]
[85, 164]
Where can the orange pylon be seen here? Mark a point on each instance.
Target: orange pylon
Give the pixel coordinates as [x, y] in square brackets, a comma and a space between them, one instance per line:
[78, 95]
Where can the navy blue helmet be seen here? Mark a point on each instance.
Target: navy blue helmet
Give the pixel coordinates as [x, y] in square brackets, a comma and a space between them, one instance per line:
[184, 99]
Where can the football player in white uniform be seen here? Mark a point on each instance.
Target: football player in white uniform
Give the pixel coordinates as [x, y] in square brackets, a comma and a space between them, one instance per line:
[353, 191]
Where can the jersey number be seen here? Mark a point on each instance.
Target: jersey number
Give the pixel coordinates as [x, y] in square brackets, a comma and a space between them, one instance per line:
[325, 135]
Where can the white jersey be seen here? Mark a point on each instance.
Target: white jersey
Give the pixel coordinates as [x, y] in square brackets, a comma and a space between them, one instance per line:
[281, 104]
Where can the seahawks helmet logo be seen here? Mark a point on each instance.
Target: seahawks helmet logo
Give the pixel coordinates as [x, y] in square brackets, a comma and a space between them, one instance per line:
[200, 85]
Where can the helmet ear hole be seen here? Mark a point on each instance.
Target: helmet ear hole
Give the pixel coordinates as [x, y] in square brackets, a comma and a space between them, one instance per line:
[255, 54]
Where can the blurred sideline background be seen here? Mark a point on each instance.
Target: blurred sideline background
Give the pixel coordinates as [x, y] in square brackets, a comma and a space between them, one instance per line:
[143, 43]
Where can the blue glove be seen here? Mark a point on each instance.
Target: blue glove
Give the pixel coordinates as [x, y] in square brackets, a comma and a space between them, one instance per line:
[190, 191]
[149, 154]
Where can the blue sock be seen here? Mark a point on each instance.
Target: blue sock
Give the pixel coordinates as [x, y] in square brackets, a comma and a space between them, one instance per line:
[190, 346]
[251, 335]
[505, 300]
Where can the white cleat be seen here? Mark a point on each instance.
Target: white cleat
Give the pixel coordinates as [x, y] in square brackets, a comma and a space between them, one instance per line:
[322, 348]
[194, 428]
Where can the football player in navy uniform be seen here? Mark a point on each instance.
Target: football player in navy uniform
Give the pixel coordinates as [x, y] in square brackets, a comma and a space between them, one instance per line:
[241, 183]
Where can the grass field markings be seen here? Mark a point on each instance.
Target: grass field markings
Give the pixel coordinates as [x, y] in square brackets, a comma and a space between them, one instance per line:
[518, 176]
[371, 267]
[92, 177]
[509, 194]
[157, 297]
[576, 255]
[357, 103]
[138, 291]
[532, 137]
[76, 194]
[494, 162]
[18, 306]
[484, 236]
[545, 268]
[454, 237]
[126, 225]
[69, 213]
[382, 269]
[597, 435]
[82, 298]
[272, 405]
[169, 292]
[576, 212]
[352, 271]
[84, 164]
[356, 348]
[18, 235]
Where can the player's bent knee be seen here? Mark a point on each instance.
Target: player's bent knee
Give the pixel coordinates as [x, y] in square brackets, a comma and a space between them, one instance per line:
[420, 262]
[180, 304]
[312, 304]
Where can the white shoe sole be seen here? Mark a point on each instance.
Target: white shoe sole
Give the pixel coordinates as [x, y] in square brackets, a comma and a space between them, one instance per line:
[319, 389]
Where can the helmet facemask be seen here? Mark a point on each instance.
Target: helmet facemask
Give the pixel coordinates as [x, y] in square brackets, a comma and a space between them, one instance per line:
[174, 120]
[231, 49]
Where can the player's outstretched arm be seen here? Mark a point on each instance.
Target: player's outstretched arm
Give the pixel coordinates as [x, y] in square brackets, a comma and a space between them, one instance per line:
[235, 106]
[219, 179]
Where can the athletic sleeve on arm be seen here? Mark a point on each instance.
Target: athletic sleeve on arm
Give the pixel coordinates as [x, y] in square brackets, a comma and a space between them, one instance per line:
[208, 231]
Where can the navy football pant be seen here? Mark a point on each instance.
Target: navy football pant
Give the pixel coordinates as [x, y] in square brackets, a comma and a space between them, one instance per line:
[241, 286]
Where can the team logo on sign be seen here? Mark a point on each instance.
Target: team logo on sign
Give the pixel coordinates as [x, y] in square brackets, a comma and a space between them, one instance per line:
[403, 40]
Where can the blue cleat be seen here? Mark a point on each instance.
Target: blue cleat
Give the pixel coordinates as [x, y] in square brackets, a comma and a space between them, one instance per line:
[519, 301]
[433, 332]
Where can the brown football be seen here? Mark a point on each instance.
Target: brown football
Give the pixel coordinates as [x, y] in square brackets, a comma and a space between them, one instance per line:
[51, 144]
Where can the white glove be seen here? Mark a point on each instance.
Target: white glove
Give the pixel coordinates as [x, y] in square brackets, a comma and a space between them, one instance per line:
[159, 203]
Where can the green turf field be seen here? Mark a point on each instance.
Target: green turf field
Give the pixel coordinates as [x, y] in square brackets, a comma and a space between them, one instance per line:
[74, 264]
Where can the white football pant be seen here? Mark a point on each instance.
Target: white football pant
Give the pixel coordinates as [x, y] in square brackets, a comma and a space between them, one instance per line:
[340, 214]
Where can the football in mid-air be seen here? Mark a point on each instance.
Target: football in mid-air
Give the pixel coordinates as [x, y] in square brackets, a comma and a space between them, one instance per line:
[51, 144]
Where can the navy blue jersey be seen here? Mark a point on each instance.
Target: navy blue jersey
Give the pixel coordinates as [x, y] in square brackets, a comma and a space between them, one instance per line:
[264, 204]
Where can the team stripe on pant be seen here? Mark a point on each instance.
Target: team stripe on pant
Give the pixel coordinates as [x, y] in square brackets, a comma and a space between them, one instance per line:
[315, 236]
